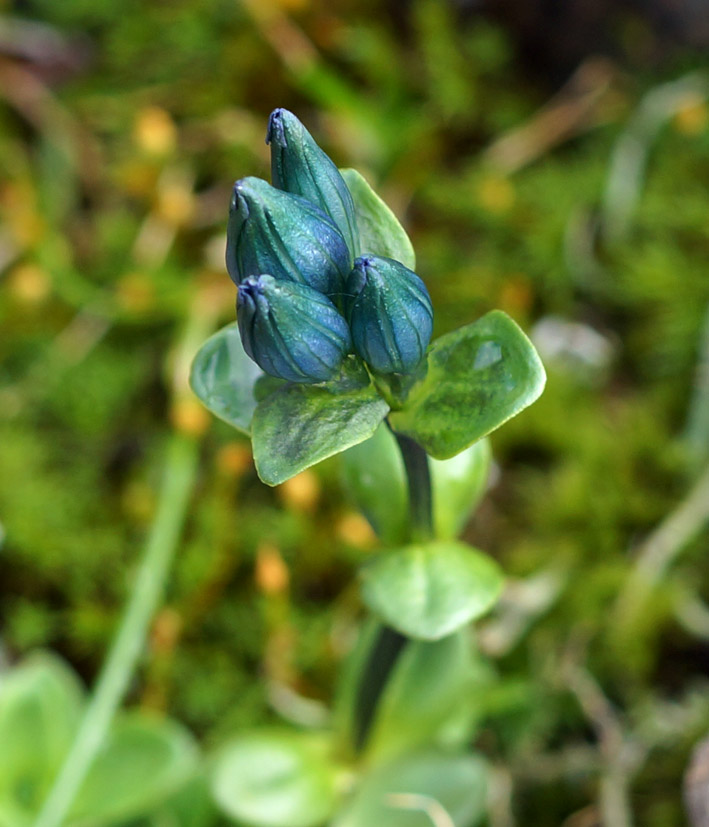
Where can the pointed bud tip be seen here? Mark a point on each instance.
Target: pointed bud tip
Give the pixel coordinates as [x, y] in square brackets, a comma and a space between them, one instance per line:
[279, 121]
[251, 291]
[238, 202]
[245, 190]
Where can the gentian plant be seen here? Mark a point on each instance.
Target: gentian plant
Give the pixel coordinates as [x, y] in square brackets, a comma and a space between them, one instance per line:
[332, 354]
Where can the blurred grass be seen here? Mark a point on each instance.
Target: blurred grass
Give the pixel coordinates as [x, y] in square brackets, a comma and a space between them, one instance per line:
[117, 152]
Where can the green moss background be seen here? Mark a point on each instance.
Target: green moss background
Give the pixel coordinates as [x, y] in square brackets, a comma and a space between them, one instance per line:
[119, 142]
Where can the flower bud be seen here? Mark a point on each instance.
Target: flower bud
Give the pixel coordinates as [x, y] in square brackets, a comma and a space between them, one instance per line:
[271, 231]
[298, 165]
[290, 330]
[390, 312]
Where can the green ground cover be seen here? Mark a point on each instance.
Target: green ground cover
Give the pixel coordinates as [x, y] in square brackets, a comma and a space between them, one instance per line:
[117, 153]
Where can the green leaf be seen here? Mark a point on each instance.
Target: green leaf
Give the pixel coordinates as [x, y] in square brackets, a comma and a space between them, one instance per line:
[144, 761]
[431, 682]
[458, 484]
[223, 377]
[190, 806]
[299, 425]
[40, 707]
[374, 477]
[347, 687]
[417, 790]
[478, 377]
[429, 590]
[276, 779]
[379, 229]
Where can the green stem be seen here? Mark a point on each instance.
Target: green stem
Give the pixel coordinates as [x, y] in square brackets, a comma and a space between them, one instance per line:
[389, 644]
[113, 681]
[418, 477]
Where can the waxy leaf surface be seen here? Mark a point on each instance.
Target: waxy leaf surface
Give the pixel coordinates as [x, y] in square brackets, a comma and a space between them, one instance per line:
[479, 376]
[276, 779]
[428, 590]
[380, 232]
[430, 686]
[143, 761]
[299, 425]
[420, 790]
[223, 377]
[375, 478]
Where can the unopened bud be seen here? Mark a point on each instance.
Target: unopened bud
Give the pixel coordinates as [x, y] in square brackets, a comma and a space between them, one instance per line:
[390, 313]
[290, 330]
[275, 232]
[298, 165]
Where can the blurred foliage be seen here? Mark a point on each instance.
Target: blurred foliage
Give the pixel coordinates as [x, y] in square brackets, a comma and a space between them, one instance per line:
[120, 135]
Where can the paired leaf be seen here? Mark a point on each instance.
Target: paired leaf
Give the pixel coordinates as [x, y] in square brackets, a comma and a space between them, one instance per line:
[223, 377]
[420, 790]
[190, 806]
[429, 590]
[379, 229]
[144, 761]
[375, 478]
[299, 425]
[429, 689]
[276, 779]
[41, 702]
[478, 377]
[458, 485]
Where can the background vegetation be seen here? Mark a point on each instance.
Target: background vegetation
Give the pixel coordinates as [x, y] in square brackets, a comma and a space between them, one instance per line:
[579, 208]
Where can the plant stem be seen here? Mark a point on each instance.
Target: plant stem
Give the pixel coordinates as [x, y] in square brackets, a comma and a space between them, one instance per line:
[179, 475]
[389, 643]
[418, 476]
[387, 647]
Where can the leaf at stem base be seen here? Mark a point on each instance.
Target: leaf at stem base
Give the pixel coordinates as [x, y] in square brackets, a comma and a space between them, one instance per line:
[429, 590]
[418, 790]
[276, 779]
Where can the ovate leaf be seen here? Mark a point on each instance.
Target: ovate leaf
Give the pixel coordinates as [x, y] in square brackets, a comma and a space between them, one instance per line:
[430, 687]
[143, 761]
[299, 425]
[276, 779]
[40, 707]
[458, 484]
[429, 590]
[420, 790]
[374, 477]
[479, 376]
[379, 229]
[223, 377]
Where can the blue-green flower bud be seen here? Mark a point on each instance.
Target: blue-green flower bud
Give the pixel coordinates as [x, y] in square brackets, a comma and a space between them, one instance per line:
[290, 330]
[276, 232]
[298, 165]
[390, 313]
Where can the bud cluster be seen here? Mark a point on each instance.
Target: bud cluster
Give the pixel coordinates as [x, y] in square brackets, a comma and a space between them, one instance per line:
[307, 294]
